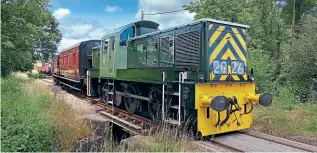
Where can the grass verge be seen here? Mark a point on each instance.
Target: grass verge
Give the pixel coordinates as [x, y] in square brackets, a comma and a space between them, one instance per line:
[288, 118]
[163, 140]
[34, 120]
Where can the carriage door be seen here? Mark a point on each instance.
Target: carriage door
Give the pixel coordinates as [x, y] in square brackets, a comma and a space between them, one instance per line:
[111, 58]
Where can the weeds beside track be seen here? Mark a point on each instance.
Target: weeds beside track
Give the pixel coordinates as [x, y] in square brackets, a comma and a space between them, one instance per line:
[32, 119]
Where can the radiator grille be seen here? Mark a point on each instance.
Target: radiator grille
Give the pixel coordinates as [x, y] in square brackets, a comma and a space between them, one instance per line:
[187, 46]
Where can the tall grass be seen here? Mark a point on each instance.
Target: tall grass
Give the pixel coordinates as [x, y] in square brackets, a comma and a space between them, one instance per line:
[68, 127]
[36, 75]
[34, 120]
[164, 139]
[23, 128]
[287, 117]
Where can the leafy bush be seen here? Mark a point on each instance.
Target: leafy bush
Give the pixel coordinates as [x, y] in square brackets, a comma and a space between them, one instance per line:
[23, 128]
[34, 120]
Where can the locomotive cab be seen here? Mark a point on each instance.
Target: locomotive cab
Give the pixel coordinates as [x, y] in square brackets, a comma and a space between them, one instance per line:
[145, 27]
[137, 29]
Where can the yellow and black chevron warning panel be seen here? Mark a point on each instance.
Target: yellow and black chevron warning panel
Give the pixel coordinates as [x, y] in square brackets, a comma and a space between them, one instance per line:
[227, 52]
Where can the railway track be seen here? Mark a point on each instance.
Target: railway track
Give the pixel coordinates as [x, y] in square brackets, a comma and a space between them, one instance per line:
[132, 123]
[251, 141]
[242, 141]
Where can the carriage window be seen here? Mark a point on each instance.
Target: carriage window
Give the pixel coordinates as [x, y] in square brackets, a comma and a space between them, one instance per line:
[126, 34]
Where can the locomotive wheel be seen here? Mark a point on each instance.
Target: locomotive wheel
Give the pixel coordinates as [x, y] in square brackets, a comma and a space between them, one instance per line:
[130, 103]
[104, 96]
[118, 100]
[155, 106]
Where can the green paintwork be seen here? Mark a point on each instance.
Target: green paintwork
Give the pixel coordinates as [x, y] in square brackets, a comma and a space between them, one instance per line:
[144, 59]
[146, 74]
[96, 59]
[112, 59]
[94, 72]
[145, 53]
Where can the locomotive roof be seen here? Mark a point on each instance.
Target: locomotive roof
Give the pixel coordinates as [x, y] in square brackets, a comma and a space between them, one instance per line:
[128, 25]
[195, 22]
[224, 22]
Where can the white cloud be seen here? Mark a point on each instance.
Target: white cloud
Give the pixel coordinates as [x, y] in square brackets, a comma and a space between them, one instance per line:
[75, 34]
[97, 33]
[60, 13]
[78, 30]
[66, 42]
[112, 9]
[166, 20]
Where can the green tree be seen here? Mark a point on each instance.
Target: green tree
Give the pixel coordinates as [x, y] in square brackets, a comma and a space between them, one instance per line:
[279, 59]
[25, 27]
[265, 37]
[299, 68]
[302, 8]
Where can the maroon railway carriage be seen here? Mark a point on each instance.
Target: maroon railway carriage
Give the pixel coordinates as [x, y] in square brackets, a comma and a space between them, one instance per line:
[71, 65]
[44, 69]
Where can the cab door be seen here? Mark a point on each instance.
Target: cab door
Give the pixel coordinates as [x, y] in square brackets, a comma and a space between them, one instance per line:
[104, 58]
[111, 54]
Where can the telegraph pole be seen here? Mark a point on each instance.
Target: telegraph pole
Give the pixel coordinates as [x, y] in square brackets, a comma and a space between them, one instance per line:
[142, 15]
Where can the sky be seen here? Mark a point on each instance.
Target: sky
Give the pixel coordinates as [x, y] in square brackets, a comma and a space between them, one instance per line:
[81, 20]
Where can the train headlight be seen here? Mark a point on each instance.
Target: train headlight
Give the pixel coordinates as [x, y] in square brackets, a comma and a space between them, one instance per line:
[265, 99]
[219, 103]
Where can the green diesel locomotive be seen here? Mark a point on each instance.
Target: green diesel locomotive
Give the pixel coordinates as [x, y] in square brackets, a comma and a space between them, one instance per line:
[194, 73]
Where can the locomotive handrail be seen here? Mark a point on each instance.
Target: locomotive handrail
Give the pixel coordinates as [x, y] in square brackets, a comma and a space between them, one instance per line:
[180, 80]
[163, 97]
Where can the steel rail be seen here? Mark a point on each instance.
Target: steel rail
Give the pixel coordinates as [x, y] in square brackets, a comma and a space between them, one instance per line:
[226, 146]
[126, 114]
[293, 144]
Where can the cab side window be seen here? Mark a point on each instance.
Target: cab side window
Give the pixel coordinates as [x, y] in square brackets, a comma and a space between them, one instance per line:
[105, 45]
[126, 34]
[112, 44]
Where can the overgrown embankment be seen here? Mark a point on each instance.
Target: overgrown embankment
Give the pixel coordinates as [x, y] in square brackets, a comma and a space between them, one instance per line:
[165, 139]
[32, 119]
[288, 118]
